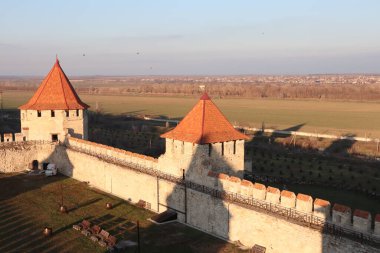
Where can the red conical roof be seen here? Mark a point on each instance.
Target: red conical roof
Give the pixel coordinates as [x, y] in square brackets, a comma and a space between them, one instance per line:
[204, 124]
[55, 93]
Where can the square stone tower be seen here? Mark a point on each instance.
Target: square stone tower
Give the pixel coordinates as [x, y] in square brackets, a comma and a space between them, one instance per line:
[204, 139]
[54, 110]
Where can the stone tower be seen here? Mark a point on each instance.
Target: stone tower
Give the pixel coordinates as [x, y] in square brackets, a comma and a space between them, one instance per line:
[54, 110]
[204, 139]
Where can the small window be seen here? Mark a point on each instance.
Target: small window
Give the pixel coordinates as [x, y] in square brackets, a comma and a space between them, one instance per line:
[54, 137]
[234, 147]
[183, 148]
[38, 113]
[209, 149]
[222, 148]
[24, 138]
[52, 112]
[67, 113]
[77, 113]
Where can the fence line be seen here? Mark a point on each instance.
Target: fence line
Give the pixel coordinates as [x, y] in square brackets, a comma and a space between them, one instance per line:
[292, 215]
[296, 133]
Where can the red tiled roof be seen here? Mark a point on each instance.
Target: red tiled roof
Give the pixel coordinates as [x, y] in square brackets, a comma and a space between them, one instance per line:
[204, 124]
[273, 190]
[304, 197]
[361, 213]
[341, 208]
[287, 194]
[321, 202]
[55, 93]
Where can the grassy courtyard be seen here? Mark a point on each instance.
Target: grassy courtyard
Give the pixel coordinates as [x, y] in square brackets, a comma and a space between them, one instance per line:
[30, 203]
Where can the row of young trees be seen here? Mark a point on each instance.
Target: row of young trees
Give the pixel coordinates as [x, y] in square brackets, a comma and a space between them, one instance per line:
[344, 91]
[285, 91]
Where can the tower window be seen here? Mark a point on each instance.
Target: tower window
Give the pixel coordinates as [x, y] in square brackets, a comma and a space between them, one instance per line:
[54, 137]
[209, 149]
[234, 147]
[67, 113]
[38, 113]
[222, 148]
[52, 112]
[77, 113]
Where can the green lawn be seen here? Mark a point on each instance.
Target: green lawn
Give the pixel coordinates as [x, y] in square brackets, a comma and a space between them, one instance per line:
[30, 203]
[361, 118]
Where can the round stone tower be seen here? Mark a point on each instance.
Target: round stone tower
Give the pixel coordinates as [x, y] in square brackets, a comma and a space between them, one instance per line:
[54, 110]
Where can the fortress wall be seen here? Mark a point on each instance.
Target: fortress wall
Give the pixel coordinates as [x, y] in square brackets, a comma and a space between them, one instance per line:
[303, 204]
[237, 223]
[18, 156]
[213, 215]
[119, 180]
[115, 153]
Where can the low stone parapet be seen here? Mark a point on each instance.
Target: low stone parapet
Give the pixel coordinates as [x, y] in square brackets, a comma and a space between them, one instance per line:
[288, 199]
[341, 215]
[246, 188]
[273, 195]
[362, 220]
[377, 225]
[259, 191]
[304, 203]
[322, 208]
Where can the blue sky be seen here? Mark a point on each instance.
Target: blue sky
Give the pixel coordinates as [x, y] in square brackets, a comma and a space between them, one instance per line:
[190, 37]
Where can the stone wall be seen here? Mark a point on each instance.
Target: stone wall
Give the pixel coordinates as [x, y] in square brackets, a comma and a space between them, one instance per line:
[100, 166]
[226, 157]
[18, 156]
[41, 125]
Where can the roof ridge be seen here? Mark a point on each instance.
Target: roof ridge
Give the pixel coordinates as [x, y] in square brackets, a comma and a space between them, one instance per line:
[60, 78]
[203, 120]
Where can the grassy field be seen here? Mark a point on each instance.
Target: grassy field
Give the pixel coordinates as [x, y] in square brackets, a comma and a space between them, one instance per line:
[31, 203]
[322, 116]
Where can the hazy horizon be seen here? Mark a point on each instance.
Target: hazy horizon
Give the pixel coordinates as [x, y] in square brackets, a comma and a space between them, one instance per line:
[173, 38]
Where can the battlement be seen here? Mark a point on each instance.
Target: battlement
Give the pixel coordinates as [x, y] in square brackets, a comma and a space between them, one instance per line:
[104, 150]
[320, 209]
[11, 137]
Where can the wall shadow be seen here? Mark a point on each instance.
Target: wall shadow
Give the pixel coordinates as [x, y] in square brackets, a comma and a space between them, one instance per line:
[341, 146]
[21, 226]
[198, 209]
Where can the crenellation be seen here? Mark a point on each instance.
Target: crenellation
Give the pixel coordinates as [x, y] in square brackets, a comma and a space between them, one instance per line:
[273, 195]
[362, 220]
[377, 225]
[246, 188]
[304, 203]
[19, 137]
[341, 215]
[234, 184]
[8, 137]
[259, 191]
[288, 199]
[322, 208]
